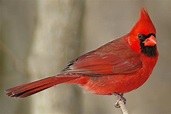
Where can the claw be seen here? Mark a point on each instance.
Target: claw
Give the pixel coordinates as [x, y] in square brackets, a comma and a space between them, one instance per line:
[119, 98]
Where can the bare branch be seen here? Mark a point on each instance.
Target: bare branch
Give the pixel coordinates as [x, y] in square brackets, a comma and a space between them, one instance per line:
[123, 107]
[120, 103]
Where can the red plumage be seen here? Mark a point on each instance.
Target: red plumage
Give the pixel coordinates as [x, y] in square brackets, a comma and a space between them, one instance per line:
[119, 66]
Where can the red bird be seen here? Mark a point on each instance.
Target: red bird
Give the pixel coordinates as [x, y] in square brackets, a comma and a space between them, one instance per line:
[117, 67]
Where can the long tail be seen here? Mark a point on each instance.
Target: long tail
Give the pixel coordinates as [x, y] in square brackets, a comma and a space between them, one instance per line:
[26, 90]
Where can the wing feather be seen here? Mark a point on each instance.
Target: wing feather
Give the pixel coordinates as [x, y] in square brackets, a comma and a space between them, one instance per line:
[115, 57]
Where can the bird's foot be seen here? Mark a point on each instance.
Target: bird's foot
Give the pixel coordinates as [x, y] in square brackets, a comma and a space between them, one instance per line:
[119, 98]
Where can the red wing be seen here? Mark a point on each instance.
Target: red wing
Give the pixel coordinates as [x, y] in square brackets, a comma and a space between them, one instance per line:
[115, 57]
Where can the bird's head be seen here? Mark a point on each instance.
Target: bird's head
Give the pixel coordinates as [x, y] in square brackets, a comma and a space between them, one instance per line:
[142, 37]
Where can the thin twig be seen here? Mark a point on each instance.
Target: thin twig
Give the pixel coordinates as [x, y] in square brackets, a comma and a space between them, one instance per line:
[120, 103]
[123, 107]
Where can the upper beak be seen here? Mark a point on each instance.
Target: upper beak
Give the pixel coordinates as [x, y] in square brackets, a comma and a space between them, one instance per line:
[151, 41]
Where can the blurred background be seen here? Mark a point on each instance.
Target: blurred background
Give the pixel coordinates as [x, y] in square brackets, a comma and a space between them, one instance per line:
[39, 37]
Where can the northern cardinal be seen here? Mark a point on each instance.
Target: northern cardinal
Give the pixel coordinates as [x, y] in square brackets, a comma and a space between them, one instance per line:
[117, 67]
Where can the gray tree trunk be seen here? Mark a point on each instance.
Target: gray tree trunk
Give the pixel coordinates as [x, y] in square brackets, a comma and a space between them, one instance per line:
[55, 42]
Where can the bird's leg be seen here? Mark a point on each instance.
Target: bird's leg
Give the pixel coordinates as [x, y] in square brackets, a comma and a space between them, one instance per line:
[119, 98]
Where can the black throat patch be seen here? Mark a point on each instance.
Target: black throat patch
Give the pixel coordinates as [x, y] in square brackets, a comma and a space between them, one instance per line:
[150, 51]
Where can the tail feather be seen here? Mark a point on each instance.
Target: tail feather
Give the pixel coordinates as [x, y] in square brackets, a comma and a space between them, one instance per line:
[26, 90]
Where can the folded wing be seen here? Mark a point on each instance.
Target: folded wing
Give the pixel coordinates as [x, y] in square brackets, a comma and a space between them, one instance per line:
[116, 57]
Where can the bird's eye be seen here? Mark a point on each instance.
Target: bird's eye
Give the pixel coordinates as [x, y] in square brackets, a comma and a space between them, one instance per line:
[141, 36]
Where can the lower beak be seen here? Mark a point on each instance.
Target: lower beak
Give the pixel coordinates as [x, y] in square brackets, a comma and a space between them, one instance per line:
[151, 41]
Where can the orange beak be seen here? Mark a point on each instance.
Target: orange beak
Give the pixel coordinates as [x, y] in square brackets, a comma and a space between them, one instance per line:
[151, 41]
